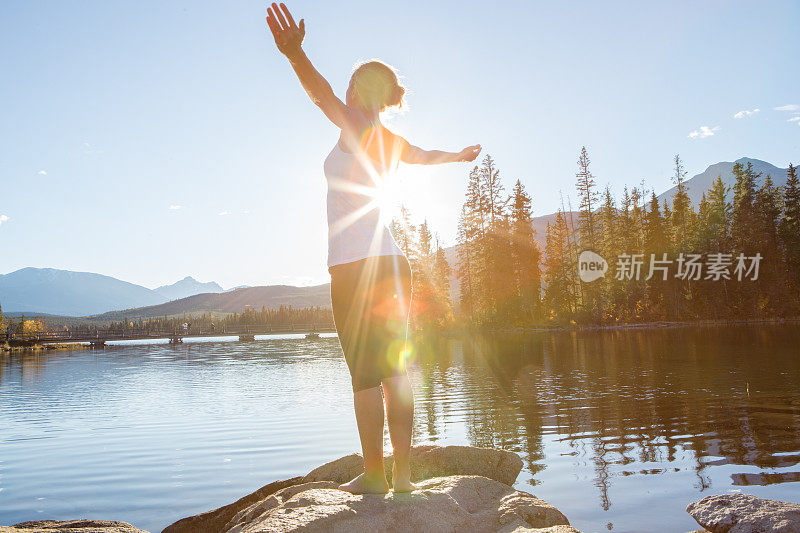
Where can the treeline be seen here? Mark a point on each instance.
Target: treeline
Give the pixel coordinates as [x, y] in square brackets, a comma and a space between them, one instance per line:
[690, 258]
[282, 316]
[735, 255]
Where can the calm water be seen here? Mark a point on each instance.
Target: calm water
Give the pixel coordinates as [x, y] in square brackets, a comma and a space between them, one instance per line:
[619, 430]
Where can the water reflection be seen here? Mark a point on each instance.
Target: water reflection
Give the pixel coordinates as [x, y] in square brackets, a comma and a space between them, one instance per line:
[614, 427]
[632, 403]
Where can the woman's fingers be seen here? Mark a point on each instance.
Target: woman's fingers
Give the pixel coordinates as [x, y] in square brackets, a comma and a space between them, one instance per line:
[302, 28]
[288, 16]
[281, 19]
[271, 17]
[273, 26]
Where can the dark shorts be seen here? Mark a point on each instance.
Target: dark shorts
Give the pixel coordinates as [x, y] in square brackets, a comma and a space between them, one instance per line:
[371, 299]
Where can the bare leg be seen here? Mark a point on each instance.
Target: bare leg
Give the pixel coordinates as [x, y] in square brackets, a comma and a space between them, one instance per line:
[400, 411]
[369, 418]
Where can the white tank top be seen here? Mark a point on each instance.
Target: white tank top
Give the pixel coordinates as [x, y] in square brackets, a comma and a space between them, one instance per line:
[355, 230]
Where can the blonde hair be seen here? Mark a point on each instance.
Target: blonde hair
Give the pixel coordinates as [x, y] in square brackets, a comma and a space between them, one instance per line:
[375, 86]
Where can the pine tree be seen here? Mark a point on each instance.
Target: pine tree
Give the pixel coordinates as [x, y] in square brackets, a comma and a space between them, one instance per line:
[588, 202]
[525, 254]
[790, 225]
[403, 232]
[442, 271]
[470, 234]
[559, 271]
[441, 282]
[719, 215]
[681, 206]
[743, 214]
[744, 233]
[425, 241]
[655, 246]
[493, 265]
[610, 248]
[771, 283]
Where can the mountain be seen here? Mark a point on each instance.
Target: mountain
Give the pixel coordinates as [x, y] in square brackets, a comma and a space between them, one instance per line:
[702, 182]
[234, 301]
[63, 292]
[66, 293]
[188, 286]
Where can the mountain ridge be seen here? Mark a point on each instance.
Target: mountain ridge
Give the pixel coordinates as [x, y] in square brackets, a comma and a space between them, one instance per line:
[235, 301]
[700, 183]
[187, 286]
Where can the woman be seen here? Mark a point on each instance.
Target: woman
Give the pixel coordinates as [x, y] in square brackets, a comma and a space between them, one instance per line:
[370, 276]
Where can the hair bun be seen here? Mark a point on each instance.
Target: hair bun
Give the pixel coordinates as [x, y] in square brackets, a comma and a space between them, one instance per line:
[399, 91]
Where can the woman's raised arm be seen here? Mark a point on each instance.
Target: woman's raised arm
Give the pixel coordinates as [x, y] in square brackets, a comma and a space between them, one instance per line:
[289, 39]
[417, 156]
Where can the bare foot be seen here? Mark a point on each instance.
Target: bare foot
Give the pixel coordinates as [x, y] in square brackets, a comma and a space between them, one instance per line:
[401, 479]
[364, 484]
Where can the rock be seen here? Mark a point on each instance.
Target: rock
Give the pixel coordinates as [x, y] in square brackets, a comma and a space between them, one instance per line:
[216, 519]
[743, 513]
[464, 488]
[431, 461]
[71, 526]
[447, 504]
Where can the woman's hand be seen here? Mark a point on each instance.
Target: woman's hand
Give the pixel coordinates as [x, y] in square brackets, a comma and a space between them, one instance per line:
[288, 35]
[414, 155]
[470, 153]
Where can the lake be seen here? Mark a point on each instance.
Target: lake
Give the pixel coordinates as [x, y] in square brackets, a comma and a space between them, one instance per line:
[619, 429]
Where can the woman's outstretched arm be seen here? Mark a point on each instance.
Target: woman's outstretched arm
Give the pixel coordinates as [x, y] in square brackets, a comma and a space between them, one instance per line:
[289, 39]
[417, 156]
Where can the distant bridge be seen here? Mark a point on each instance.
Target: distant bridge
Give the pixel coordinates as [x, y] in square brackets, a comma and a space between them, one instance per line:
[98, 337]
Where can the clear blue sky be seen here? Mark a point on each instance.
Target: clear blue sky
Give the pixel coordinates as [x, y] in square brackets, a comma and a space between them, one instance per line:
[114, 112]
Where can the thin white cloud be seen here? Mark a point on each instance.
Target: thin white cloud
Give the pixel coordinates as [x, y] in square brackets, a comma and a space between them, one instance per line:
[174, 207]
[795, 119]
[4, 218]
[703, 132]
[224, 213]
[787, 107]
[746, 113]
[42, 173]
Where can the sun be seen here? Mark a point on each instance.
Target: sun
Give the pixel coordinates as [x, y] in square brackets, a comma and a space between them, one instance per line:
[408, 186]
[389, 193]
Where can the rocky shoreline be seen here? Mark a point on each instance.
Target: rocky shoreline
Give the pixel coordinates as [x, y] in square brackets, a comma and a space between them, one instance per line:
[5, 347]
[461, 489]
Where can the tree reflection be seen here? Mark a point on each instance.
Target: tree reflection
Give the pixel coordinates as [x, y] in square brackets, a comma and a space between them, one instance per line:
[665, 399]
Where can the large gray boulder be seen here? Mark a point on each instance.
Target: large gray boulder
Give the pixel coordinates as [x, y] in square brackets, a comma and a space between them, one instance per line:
[445, 504]
[71, 526]
[461, 488]
[429, 461]
[743, 513]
